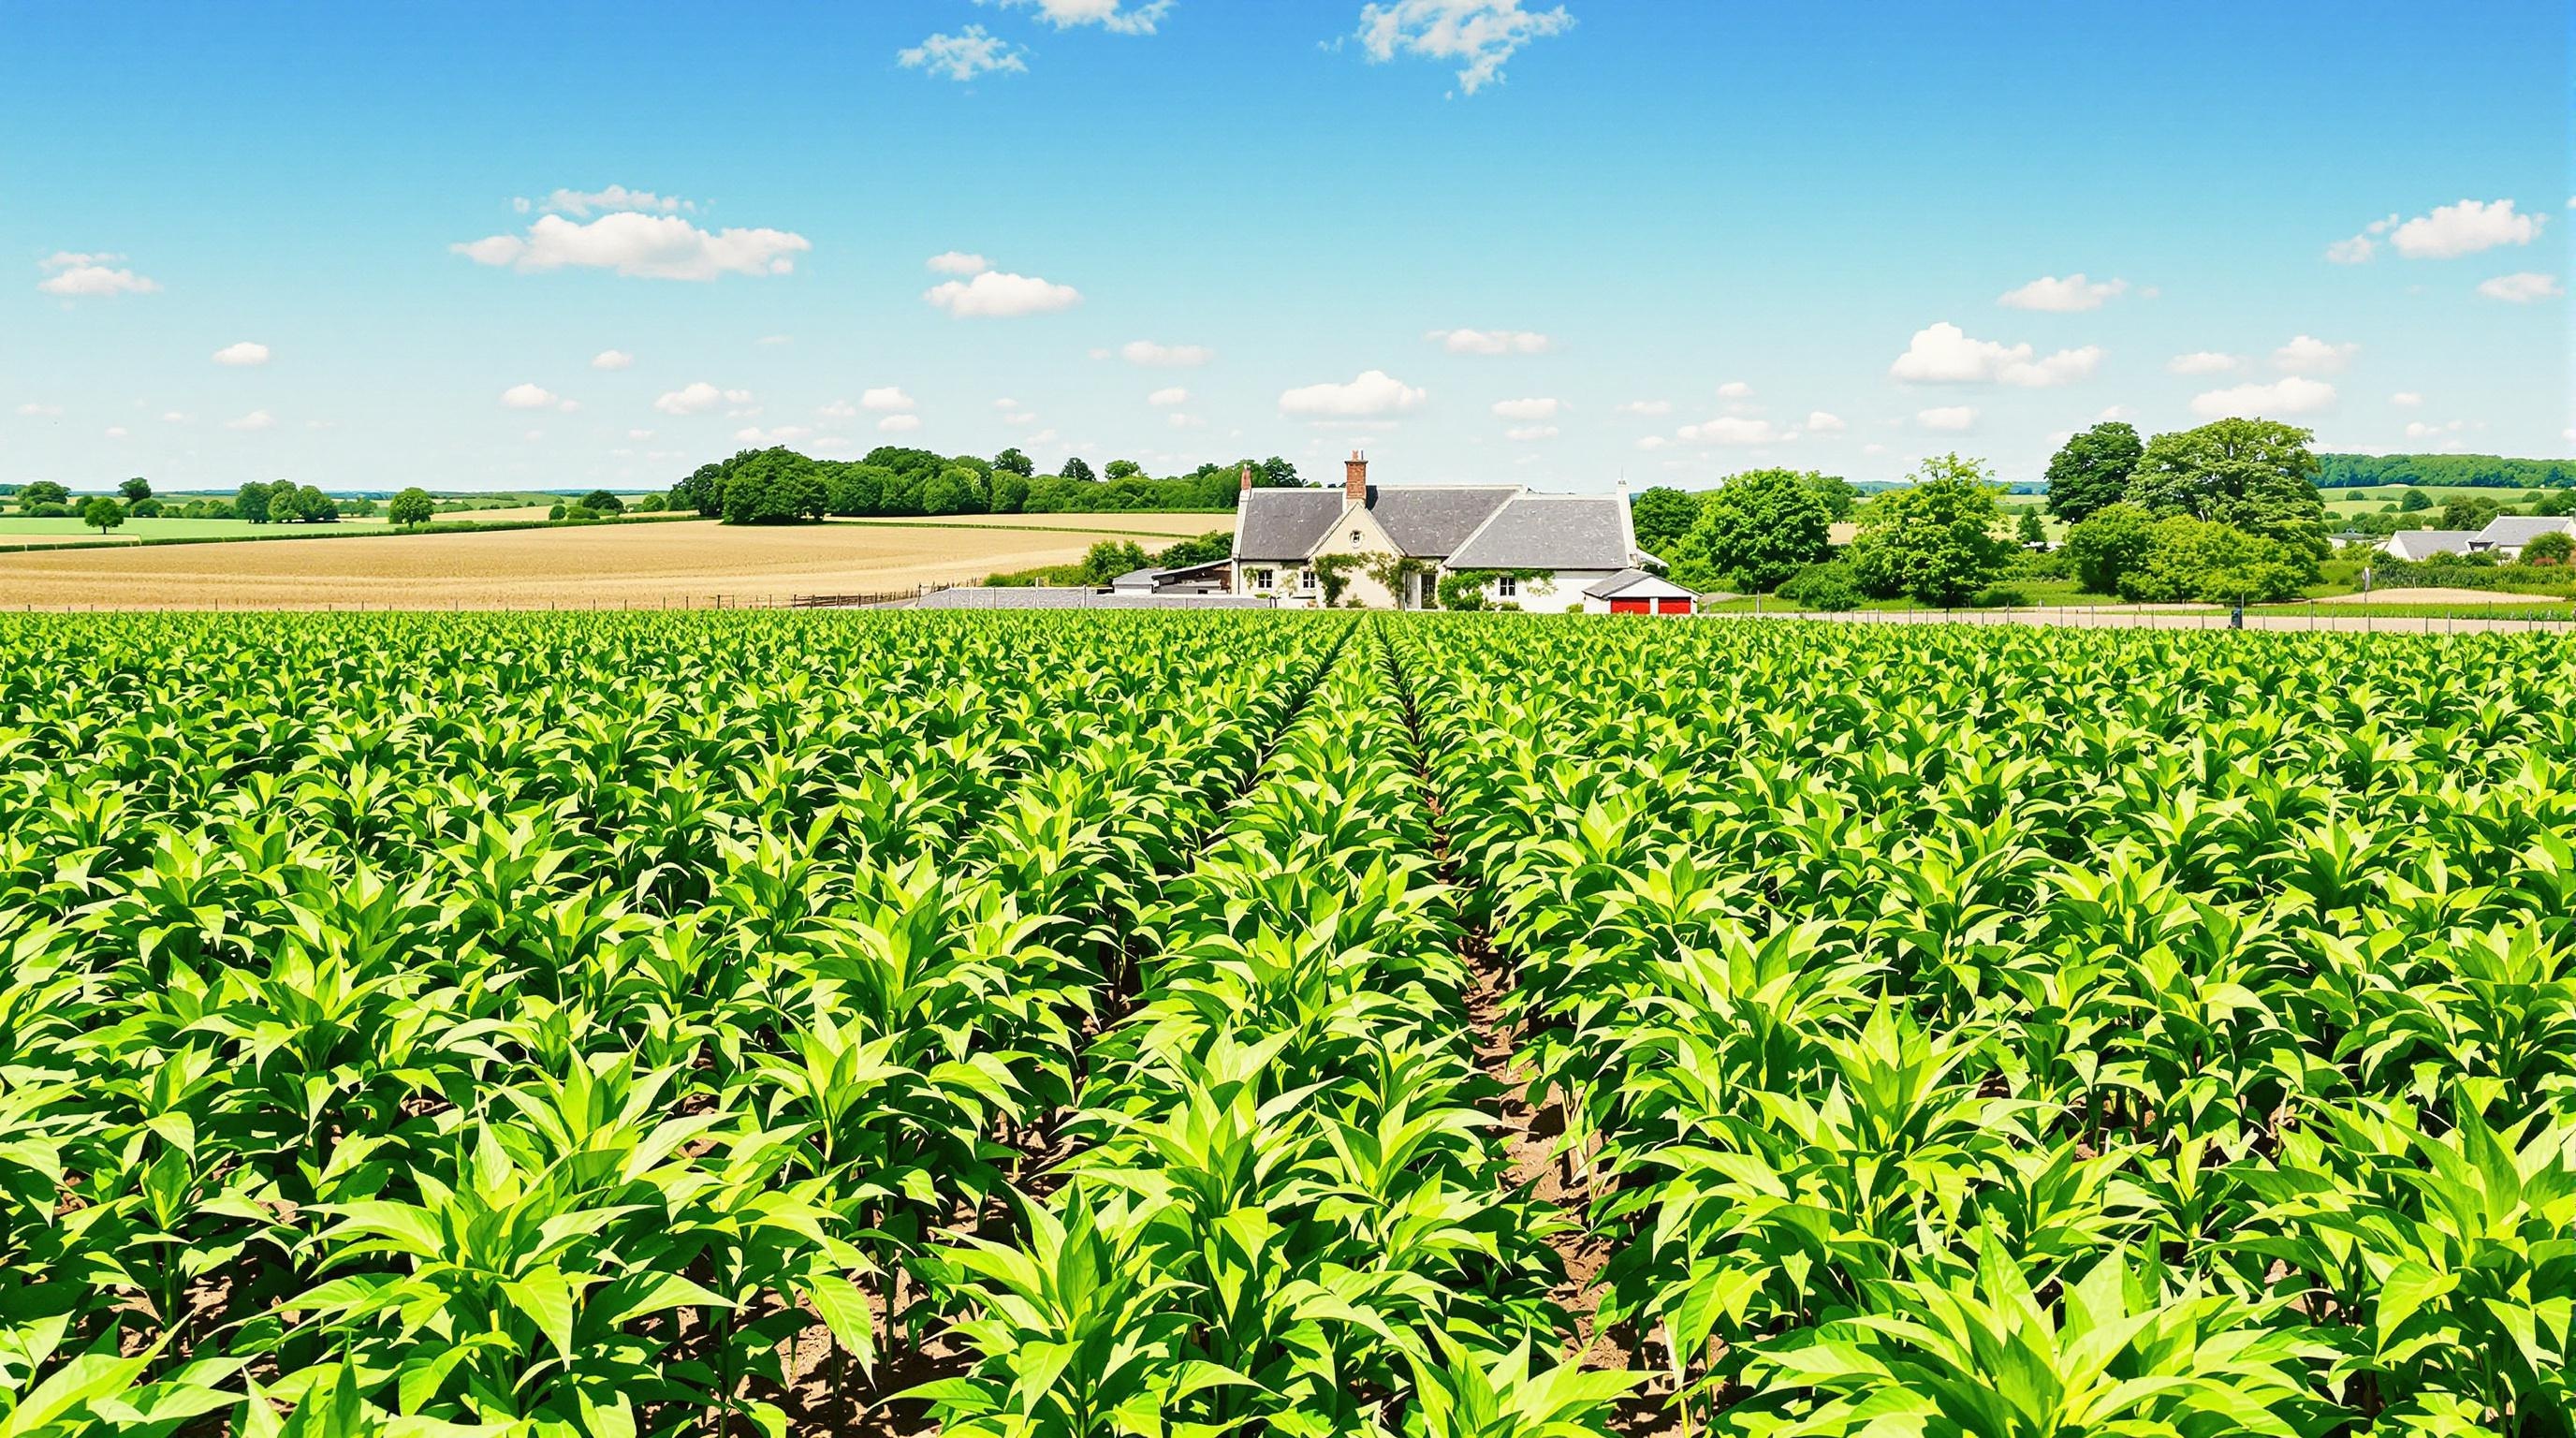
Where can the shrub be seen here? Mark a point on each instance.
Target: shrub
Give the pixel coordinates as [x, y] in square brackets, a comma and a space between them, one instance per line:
[1829, 588]
[2549, 549]
[2001, 596]
[2197, 559]
[2111, 544]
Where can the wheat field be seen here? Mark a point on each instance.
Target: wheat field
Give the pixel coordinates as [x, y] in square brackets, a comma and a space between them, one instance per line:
[675, 564]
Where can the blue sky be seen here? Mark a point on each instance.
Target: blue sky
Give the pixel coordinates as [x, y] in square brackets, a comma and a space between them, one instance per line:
[366, 246]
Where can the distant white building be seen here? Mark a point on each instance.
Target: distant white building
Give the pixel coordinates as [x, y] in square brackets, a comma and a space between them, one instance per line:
[1544, 551]
[2506, 534]
[2425, 543]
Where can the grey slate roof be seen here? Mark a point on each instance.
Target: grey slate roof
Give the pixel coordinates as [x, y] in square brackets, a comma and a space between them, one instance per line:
[1284, 523]
[2424, 543]
[1637, 584]
[1139, 579]
[1550, 531]
[2512, 531]
[1432, 521]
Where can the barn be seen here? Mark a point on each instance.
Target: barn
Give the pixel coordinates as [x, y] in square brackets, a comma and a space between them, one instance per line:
[1634, 591]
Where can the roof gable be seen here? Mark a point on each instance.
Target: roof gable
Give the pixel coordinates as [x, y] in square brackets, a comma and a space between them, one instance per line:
[1284, 524]
[1433, 520]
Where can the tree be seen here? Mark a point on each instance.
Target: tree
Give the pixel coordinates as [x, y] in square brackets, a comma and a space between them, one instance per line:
[1935, 538]
[1075, 469]
[1123, 469]
[2552, 548]
[102, 513]
[1275, 473]
[2256, 475]
[1011, 461]
[1113, 557]
[2111, 543]
[2556, 502]
[2032, 531]
[2414, 501]
[2091, 470]
[2468, 512]
[412, 508]
[600, 501]
[1215, 544]
[1839, 498]
[702, 491]
[1760, 527]
[312, 506]
[43, 491]
[251, 502]
[1662, 515]
[135, 490]
[2214, 563]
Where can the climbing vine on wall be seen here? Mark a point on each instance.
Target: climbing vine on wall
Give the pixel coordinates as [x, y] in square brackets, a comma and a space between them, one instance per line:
[1465, 588]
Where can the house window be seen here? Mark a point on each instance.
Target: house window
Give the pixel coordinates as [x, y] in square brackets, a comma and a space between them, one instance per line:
[1305, 579]
[1260, 578]
[1355, 536]
[1507, 587]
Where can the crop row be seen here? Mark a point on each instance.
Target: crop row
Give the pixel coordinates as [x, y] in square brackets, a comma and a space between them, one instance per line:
[572, 1026]
[2038, 1033]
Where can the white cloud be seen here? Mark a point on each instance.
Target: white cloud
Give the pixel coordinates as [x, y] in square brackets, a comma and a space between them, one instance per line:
[115, 431]
[2354, 251]
[639, 434]
[2406, 399]
[995, 295]
[2294, 395]
[1020, 419]
[1652, 442]
[1527, 408]
[700, 397]
[90, 276]
[584, 203]
[1734, 389]
[612, 359]
[2065, 296]
[1730, 429]
[962, 56]
[1110, 15]
[1821, 422]
[1490, 342]
[958, 262]
[1526, 432]
[2464, 229]
[1944, 354]
[174, 417]
[1185, 421]
[1161, 356]
[775, 340]
[2528, 287]
[1373, 392]
[1647, 407]
[838, 409]
[2418, 429]
[2203, 362]
[242, 355]
[2309, 355]
[33, 410]
[764, 438]
[257, 419]
[530, 396]
[899, 424]
[886, 399]
[653, 247]
[1950, 417]
[1480, 34]
[1170, 395]
[2110, 413]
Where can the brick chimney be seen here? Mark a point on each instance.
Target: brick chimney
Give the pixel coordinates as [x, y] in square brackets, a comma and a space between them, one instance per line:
[1247, 477]
[1355, 478]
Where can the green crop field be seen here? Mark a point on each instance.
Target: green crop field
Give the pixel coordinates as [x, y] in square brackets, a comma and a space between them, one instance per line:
[1056, 1025]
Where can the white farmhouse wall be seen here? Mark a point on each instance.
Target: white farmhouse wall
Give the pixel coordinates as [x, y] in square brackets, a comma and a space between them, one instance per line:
[1561, 593]
[1358, 587]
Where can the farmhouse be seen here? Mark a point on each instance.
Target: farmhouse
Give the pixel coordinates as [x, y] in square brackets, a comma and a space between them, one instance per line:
[2506, 534]
[1382, 547]
[2422, 544]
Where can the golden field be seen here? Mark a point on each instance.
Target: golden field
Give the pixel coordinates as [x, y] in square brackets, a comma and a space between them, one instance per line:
[675, 563]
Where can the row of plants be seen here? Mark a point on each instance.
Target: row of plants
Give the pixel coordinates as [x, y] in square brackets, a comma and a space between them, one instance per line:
[2000, 1032]
[1290, 1212]
[562, 1025]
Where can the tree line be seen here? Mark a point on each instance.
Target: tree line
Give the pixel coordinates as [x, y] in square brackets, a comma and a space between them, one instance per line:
[2458, 471]
[780, 486]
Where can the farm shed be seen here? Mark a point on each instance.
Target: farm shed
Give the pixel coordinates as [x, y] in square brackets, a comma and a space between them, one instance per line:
[1634, 591]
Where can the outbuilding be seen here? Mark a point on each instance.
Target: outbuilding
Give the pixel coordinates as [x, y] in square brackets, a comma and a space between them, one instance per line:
[1634, 591]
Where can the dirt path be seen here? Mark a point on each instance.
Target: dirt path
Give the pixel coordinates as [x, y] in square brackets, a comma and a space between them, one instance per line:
[1531, 1135]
